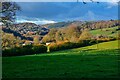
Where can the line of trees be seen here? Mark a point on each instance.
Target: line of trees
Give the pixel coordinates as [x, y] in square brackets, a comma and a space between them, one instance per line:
[71, 33]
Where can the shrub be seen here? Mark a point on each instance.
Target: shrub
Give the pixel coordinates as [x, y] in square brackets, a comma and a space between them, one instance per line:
[67, 45]
[39, 49]
[17, 51]
[53, 47]
[25, 50]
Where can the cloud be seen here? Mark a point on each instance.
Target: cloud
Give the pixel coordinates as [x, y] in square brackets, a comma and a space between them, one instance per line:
[22, 19]
[42, 13]
[1, 24]
[112, 3]
[36, 22]
[91, 16]
[113, 0]
[88, 16]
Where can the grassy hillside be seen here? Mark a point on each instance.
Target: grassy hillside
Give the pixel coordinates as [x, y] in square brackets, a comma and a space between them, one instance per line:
[104, 45]
[86, 62]
[106, 31]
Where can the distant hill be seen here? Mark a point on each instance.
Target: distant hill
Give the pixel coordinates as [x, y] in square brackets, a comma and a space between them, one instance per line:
[85, 24]
[62, 24]
[25, 30]
[16, 34]
[101, 24]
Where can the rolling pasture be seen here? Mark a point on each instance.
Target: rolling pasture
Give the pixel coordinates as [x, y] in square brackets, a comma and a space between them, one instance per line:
[112, 32]
[85, 62]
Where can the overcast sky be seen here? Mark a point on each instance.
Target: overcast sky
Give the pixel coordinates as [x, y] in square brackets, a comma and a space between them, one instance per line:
[51, 12]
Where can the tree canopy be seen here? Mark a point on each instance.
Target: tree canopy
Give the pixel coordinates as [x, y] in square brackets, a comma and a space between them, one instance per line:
[8, 12]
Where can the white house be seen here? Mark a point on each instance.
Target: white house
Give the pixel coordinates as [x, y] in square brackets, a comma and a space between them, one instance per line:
[47, 44]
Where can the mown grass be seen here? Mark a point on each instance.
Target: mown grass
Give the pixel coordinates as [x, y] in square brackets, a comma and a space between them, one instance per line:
[86, 62]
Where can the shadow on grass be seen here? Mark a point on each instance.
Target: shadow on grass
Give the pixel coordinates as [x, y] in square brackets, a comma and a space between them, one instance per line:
[63, 66]
[89, 49]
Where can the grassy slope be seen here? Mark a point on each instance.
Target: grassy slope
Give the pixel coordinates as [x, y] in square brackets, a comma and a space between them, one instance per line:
[80, 62]
[105, 45]
[104, 32]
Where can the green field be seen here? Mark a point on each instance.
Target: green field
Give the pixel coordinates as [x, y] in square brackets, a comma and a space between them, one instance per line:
[86, 62]
[106, 31]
